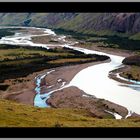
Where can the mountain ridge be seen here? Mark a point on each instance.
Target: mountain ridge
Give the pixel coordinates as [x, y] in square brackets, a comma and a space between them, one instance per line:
[79, 22]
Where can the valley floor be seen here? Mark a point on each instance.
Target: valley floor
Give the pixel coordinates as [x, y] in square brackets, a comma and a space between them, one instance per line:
[88, 108]
[27, 94]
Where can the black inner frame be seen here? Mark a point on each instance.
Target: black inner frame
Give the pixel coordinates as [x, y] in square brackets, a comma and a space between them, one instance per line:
[69, 7]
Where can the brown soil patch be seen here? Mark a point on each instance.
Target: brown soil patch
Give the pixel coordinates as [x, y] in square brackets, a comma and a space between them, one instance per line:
[72, 97]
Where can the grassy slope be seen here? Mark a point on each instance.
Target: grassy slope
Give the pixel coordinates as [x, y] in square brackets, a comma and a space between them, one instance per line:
[12, 18]
[133, 73]
[135, 36]
[7, 52]
[19, 115]
[7, 32]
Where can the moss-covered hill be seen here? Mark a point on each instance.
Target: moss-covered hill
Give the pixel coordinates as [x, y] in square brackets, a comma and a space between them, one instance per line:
[18, 115]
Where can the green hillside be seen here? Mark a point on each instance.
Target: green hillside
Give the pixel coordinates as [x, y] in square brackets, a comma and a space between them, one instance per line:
[20, 115]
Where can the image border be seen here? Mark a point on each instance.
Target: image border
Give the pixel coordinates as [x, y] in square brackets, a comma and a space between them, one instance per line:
[69, 7]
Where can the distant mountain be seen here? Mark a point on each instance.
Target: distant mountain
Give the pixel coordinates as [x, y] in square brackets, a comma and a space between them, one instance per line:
[37, 19]
[119, 22]
[80, 22]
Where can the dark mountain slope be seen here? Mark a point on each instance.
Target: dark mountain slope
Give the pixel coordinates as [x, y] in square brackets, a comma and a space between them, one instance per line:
[119, 22]
[38, 19]
[81, 22]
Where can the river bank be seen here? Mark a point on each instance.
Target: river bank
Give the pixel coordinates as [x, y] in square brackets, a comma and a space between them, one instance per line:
[122, 72]
[92, 80]
[54, 81]
[28, 93]
[72, 97]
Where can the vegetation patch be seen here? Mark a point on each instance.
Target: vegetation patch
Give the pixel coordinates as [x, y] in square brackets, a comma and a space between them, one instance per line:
[107, 39]
[3, 87]
[135, 36]
[133, 73]
[17, 61]
[7, 32]
[27, 116]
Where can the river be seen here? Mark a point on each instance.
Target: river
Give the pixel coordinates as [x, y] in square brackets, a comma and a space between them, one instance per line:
[93, 80]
